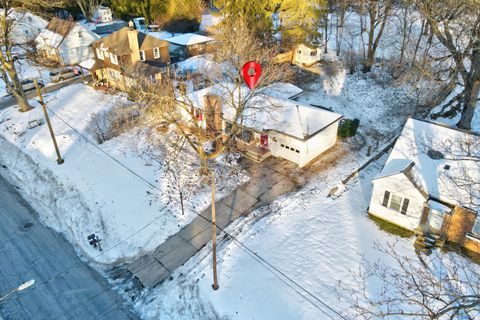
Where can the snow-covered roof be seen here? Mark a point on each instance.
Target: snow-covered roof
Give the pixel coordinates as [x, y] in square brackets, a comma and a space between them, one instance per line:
[87, 64]
[395, 166]
[189, 39]
[281, 90]
[265, 113]
[446, 161]
[438, 206]
[26, 25]
[48, 39]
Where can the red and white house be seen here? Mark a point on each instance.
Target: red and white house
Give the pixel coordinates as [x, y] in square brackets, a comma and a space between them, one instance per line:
[273, 123]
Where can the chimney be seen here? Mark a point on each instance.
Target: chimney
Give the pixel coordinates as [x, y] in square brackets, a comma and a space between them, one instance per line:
[132, 35]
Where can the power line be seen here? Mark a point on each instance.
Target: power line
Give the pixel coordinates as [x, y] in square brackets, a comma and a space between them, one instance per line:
[267, 265]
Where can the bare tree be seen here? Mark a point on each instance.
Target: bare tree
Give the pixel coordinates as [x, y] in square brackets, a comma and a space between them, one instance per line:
[11, 14]
[167, 101]
[89, 7]
[378, 13]
[341, 11]
[441, 286]
[456, 25]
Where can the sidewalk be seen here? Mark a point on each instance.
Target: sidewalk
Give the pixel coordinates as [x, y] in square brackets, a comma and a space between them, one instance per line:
[269, 180]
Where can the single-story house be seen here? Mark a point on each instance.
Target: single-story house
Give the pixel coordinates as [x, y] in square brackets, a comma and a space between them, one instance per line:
[127, 55]
[188, 45]
[430, 185]
[272, 123]
[304, 55]
[65, 42]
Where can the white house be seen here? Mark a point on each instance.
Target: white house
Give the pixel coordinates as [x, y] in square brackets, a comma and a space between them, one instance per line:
[429, 183]
[306, 56]
[103, 15]
[273, 123]
[65, 42]
[26, 27]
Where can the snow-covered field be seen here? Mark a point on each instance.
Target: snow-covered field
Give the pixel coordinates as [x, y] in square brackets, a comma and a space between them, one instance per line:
[91, 192]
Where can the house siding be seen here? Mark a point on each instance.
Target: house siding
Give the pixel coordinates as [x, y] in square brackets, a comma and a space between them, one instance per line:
[399, 185]
[75, 49]
[460, 225]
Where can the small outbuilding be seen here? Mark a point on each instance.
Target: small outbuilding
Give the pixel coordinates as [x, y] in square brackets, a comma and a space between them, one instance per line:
[305, 55]
[188, 45]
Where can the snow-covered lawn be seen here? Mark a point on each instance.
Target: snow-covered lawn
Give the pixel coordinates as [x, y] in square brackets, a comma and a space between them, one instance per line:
[313, 239]
[91, 192]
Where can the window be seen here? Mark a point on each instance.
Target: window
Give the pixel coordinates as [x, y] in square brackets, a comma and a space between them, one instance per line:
[395, 202]
[156, 53]
[99, 53]
[142, 55]
[80, 35]
[313, 53]
[476, 227]
[113, 58]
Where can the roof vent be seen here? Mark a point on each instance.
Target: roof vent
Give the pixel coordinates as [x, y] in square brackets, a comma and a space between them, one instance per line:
[435, 154]
[447, 167]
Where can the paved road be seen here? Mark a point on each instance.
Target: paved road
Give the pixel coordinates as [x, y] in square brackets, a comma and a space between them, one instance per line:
[9, 100]
[36, 252]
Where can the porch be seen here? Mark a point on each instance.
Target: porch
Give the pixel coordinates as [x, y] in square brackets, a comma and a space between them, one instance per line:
[254, 152]
[433, 229]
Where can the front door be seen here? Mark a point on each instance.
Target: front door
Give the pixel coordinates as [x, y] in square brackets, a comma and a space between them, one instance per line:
[264, 140]
[435, 219]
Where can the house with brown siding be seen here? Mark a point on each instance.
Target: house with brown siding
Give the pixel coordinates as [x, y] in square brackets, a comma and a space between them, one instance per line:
[127, 55]
[430, 185]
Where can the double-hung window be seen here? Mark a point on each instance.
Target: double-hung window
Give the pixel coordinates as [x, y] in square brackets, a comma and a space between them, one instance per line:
[395, 202]
[99, 53]
[113, 58]
[156, 53]
[142, 55]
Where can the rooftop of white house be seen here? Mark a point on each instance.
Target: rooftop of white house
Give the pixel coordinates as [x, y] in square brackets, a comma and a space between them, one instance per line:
[189, 39]
[445, 160]
[272, 112]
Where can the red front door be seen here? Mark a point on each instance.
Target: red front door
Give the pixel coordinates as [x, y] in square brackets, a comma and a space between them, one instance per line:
[264, 140]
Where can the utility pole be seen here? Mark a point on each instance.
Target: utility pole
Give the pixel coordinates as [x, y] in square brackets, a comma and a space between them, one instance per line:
[40, 98]
[214, 237]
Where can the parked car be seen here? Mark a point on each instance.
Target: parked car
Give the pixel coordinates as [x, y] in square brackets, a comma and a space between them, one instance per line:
[29, 85]
[63, 74]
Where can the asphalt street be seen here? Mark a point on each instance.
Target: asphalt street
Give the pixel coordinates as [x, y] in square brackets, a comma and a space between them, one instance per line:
[65, 288]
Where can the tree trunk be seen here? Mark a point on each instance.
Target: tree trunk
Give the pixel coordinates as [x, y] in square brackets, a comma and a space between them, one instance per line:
[472, 88]
[12, 82]
[203, 162]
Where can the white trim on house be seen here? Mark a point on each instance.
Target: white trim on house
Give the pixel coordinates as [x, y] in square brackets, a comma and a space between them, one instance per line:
[113, 58]
[156, 53]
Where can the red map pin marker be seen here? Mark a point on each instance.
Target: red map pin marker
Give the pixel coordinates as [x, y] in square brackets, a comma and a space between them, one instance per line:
[251, 72]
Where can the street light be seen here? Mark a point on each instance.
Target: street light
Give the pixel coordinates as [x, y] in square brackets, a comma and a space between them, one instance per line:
[21, 287]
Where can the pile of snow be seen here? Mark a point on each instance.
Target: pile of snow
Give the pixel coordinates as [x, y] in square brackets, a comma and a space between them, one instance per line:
[91, 192]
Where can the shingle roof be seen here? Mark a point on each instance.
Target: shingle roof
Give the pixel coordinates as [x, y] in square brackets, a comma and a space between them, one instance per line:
[59, 26]
[117, 42]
